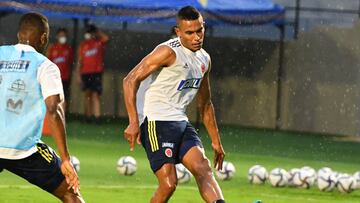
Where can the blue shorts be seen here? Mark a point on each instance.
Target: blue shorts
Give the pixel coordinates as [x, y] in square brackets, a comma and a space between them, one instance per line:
[41, 168]
[167, 141]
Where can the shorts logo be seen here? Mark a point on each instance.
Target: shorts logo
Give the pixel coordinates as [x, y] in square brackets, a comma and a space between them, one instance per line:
[168, 152]
[167, 145]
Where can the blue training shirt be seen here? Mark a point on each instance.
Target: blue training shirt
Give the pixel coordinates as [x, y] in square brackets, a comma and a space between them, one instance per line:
[26, 79]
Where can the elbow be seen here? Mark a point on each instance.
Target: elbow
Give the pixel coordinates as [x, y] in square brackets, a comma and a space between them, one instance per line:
[52, 107]
[129, 81]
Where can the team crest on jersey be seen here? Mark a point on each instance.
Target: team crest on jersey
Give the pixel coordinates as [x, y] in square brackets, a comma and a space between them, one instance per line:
[193, 83]
[19, 66]
[203, 69]
[168, 152]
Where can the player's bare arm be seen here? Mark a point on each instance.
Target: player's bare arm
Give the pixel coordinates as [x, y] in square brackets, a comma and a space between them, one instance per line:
[160, 57]
[208, 116]
[57, 124]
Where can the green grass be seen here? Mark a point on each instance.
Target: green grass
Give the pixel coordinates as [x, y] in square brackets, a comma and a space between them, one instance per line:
[99, 147]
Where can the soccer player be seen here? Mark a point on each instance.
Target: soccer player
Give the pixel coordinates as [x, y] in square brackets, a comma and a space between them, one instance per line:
[30, 86]
[62, 55]
[90, 68]
[157, 92]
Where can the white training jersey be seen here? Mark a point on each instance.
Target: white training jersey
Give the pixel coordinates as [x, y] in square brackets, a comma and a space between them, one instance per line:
[165, 94]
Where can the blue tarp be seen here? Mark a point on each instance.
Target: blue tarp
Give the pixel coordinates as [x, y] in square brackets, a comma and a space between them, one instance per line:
[238, 12]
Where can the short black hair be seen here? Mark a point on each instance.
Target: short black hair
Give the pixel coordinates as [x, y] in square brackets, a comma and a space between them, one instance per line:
[91, 28]
[188, 13]
[34, 20]
[62, 29]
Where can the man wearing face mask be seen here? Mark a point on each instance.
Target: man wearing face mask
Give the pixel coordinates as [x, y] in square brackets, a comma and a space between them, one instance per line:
[62, 55]
[90, 68]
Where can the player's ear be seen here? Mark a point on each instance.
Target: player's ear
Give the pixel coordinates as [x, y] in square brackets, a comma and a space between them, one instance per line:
[44, 38]
[177, 31]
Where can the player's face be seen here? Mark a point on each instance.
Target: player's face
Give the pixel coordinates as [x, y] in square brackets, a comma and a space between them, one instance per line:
[191, 33]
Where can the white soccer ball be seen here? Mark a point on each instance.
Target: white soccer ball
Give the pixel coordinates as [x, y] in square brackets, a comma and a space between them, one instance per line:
[183, 174]
[257, 174]
[304, 178]
[227, 171]
[324, 170]
[326, 180]
[75, 162]
[278, 177]
[357, 179]
[311, 171]
[345, 183]
[291, 174]
[126, 165]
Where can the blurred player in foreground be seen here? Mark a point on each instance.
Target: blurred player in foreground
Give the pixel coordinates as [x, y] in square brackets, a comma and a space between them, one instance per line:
[30, 86]
[157, 92]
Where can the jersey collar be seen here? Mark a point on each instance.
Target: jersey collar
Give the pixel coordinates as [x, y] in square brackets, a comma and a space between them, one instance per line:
[24, 47]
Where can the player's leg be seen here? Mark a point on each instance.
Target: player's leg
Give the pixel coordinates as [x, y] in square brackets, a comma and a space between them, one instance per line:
[67, 196]
[193, 157]
[86, 85]
[43, 170]
[167, 180]
[161, 140]
[96, 88]
[88, 104]
[95, 98]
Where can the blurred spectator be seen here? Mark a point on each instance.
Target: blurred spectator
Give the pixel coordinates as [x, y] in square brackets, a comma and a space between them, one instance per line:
[62, 55]
[90, 68]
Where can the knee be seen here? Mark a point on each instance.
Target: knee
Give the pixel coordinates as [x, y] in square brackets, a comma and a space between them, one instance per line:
[202, 169]
[169, 186]
[70, 197]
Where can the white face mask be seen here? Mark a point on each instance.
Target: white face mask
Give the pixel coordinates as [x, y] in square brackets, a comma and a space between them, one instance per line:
[62, 40]
[87, 36]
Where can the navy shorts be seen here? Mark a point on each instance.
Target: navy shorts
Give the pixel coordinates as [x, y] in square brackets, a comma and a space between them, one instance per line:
[92, 82]
[167, 141]
[41, 168]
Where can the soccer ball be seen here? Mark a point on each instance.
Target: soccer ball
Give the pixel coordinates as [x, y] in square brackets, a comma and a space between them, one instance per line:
[345, 183]
[257, 174]
[357, 179]
[291, 174]
[227, 171]
[126, 165]
[324, 170]
[278, 177]
[326, 180]
[75, 162]
[183, 174]
[310, 171]
[304, 178]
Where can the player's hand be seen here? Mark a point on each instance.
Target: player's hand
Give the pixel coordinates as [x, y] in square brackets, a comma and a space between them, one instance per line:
[219, 155]
[71, 176]
[132, 134]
